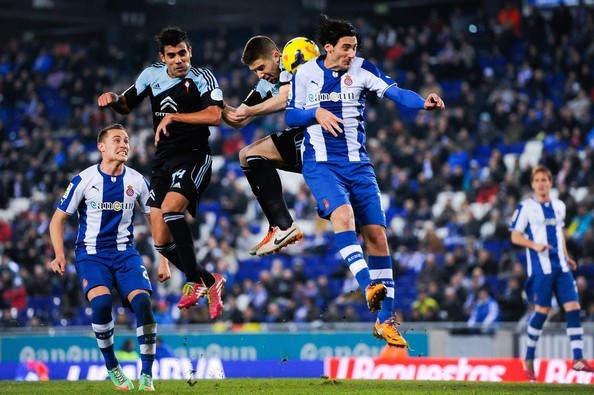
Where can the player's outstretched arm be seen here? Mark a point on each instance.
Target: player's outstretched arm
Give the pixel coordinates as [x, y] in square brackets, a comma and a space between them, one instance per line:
[572, 263]
[274, 104]
[210, 116]
[520, 240]
[163, 271]
[56, 228]
[115, 101]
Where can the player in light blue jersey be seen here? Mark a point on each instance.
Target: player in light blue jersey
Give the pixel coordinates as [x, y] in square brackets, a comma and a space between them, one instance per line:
[328, 97]
[281, 150]
[537, 225]
[104, 197]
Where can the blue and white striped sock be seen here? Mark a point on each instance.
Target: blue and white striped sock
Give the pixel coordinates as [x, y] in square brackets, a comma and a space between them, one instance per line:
[534, 330]
[351, 252]
[146, 331]
[103, 328]
[575, 333]
[380, 270]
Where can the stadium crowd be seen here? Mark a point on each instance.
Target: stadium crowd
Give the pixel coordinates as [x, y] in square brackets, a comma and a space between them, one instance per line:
[451, 180]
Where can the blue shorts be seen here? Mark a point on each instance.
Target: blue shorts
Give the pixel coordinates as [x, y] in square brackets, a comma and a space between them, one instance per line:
[354, 183]
[541, 287]
[123, 270]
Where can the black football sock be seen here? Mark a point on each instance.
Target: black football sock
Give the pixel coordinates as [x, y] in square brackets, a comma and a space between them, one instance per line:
[269, 184]
[182, 236]
[249, 175]
[169, 251]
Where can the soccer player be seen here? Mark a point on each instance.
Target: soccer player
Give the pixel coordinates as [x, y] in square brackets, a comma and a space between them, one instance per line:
[185, 100]
[537, 225]
[328, 97]
[104, 197]
[281, 150]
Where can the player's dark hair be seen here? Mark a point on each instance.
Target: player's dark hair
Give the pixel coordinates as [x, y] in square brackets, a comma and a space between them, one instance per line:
[257, 47]
[332, 30]
[541, 169]
[171, 36]
[106, 129]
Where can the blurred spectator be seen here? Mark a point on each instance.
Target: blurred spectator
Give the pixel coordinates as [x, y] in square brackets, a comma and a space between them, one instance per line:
[424, 308]
[128, 352]
[484, 312]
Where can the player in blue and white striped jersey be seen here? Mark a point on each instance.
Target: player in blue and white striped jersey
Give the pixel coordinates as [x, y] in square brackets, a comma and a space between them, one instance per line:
[537, 225]
[185, 101]
[328, 97]
[104, 197]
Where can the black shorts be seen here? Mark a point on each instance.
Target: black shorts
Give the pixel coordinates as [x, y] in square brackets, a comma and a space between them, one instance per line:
[288, 143]
[188, 174]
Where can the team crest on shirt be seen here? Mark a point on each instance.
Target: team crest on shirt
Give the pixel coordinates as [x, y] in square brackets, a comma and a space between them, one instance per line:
[348, 81]
[85, 283]
[130, 191]
[187, 85]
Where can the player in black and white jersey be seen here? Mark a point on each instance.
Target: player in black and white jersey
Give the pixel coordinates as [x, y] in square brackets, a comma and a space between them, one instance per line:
[281, 150]
[185, 100]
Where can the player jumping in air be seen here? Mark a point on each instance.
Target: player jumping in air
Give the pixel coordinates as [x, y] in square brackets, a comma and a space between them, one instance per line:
[185, 100]
[281, 150]
[104, 196]
[328, 97]
[538, 225]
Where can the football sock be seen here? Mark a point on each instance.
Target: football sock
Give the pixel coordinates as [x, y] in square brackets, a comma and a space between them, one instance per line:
[269, 184]
[249, 175]
[534, 330]
[169, 251]
[146, 331]
[351, 252]
[182, 236]
[103, 328]
[575, 333]
[380, 270]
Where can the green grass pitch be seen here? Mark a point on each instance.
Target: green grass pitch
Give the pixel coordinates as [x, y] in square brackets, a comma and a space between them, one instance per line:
[296, 386]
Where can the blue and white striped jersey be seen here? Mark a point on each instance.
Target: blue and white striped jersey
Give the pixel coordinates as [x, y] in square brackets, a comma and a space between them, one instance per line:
[105, 206]
[543, 224]
[343, 93]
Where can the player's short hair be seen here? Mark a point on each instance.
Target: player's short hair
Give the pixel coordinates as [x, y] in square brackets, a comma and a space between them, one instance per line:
[257, 47]
[541, 169]
[103, 132]
[332, 30]
[171, 36]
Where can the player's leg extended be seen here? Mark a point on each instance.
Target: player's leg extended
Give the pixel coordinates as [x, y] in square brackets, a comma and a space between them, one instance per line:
[343, 223]
[565, 289]
[146, 332]
[103, 326]
[380, 270]
[198, 278]
[162, 238]
[262, 158]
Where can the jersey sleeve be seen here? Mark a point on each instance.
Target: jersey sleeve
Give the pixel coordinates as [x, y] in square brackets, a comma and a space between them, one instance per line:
[259, 94]
[141, 88]
[144, 196]
[285, 77]
[519, 220]
[72, 197]
[375, 80]
[207, 85]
